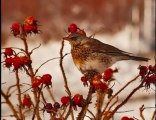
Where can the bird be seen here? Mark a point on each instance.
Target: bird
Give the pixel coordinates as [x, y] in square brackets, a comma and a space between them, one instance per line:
[90, 54]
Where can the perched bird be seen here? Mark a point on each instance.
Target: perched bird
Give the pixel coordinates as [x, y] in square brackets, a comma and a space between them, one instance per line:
[91, 54]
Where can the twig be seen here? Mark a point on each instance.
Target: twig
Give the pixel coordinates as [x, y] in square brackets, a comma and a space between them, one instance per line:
[10, 105]
[124, 111]
[62, 70]
[119, 92]
[23, 37]
[35, 49]
[3, 102]
[43, 98]
[27, 71]
[10, 87]
[99, 103]
[154, 115]
[48, 61]
[51, 94]
[65, 79]
[3, 83]
[141, 112]
[68, 112]
[8, 116]
[19, 94]
[113, 104]
[37, 103]
[91, 114]
[127, 98]
[64, 110]
[83, 111]
[24, 91]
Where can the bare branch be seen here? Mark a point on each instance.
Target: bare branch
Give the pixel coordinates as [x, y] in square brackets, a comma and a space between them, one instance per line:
[141, 112]
[35, 48]
[10, 104]
[48, 61]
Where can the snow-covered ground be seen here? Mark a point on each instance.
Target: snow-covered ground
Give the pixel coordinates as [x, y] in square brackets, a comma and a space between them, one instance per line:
[127, 71]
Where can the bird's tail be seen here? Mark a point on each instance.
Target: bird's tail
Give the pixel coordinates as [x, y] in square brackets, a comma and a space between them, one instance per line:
[138, 58]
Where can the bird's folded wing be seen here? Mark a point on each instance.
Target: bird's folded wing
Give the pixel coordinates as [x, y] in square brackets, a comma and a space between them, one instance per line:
[97, 46]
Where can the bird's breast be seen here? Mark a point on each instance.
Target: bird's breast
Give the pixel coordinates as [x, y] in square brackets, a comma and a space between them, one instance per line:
[85, 60]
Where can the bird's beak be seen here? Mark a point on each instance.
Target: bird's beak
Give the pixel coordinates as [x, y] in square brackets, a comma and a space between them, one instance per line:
[66, 38]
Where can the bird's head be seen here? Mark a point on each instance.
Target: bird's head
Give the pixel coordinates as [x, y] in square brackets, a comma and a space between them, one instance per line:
[75, 38]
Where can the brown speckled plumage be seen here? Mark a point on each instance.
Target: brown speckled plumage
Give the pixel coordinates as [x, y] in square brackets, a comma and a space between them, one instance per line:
[91, 54]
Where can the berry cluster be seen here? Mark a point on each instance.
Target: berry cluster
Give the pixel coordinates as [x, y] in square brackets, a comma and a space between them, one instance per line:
[13, 59]
[30, 25]
[49, 108]
[45, 79]
[77, 100]
[99, 82]
[148, 75]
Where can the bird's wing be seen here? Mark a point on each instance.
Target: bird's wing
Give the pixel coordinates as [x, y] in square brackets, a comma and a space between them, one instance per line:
[97, 46]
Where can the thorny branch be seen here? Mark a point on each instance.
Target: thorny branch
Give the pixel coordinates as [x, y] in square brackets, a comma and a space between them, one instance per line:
[65, 79]
[37, 103]
[83, 111]
[10, 105]
[119, 92]
[127, 98]
[23, 38]
[19, 94]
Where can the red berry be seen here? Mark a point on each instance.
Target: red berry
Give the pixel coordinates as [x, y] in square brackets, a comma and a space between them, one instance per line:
[65, 100]
[15, 28]
[27, 101]
[131, 119]
[30, 28]
[103, 86]
[25, 60]
[108, 73]
[8, 51]
[125, 118]
[8, 62]
[48, 107]
[83, 79]
[152, 78]
[77, 99]
[56, 105]
[143, 70]
[30, 20]
[72, 28]
[152, 68]
[98, 77]
[16, 65]
[36, 82]
[16, 62]
[96, 82]
[107, 76]
[46, 79]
